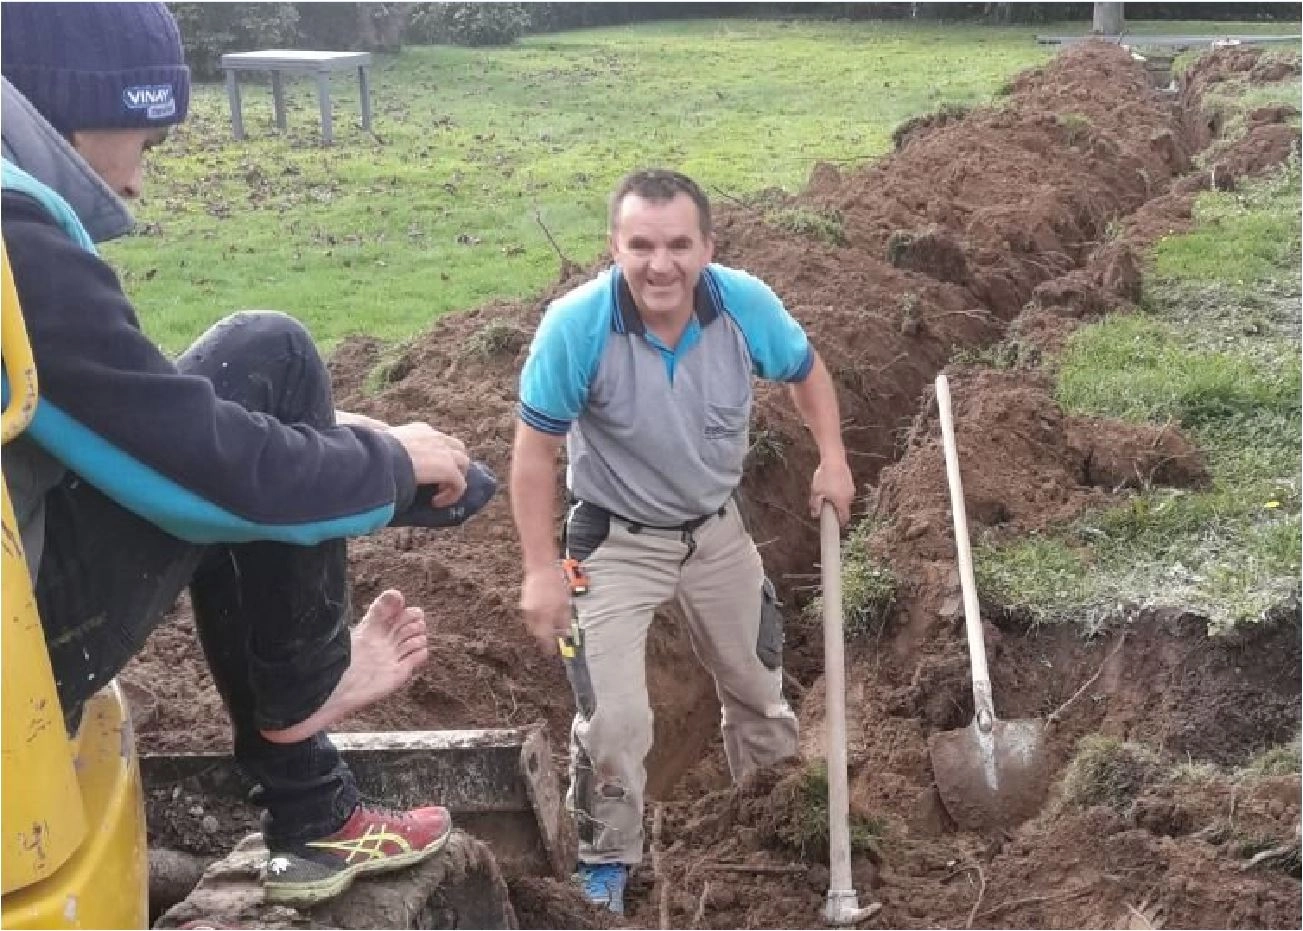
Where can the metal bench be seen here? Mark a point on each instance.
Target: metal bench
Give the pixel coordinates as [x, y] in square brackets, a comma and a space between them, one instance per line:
[284, 61]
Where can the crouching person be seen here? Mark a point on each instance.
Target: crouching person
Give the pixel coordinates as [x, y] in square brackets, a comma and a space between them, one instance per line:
[228, 472]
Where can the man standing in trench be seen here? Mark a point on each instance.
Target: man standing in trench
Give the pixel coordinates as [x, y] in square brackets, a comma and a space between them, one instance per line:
[645, 373]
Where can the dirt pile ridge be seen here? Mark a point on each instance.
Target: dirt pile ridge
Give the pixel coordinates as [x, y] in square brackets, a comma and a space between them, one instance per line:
[1027, 466]
[1036, 207]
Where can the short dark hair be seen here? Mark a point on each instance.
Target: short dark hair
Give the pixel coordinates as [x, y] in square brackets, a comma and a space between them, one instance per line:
[660, 185]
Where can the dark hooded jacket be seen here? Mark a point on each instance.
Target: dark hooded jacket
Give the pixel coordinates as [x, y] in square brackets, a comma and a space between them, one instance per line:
[114, 410]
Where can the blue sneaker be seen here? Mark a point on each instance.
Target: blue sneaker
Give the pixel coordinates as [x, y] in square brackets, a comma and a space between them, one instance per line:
[603, 884]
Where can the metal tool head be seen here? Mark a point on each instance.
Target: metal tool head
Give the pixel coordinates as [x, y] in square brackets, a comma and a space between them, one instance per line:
[994, 778]
[842, 907]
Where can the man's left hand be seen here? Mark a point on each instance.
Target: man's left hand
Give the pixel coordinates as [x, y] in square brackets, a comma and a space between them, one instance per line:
[833, 483]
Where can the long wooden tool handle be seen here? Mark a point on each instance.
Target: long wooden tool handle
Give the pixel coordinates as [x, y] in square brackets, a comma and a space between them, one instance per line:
[834, 677]
[983, 707]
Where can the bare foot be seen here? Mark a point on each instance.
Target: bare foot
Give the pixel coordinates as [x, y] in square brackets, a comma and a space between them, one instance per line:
[388, 644]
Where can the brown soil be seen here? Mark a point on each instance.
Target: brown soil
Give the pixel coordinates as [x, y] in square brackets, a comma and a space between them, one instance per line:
[1171, 848]
[1021, 220]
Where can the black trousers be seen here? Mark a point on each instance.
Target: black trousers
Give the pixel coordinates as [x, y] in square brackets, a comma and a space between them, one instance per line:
[272, 618]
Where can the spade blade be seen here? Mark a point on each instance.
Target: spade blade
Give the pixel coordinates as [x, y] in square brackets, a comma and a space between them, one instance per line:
[994, 779]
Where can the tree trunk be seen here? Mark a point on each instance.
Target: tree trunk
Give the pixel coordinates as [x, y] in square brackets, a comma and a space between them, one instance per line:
[380, 26]
[998, 13]
[1108, 20]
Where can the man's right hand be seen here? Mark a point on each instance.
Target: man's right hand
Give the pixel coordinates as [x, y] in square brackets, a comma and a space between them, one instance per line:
[437, 459]
[545, 603]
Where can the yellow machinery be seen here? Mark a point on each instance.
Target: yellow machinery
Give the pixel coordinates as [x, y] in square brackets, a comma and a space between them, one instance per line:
[73, 853]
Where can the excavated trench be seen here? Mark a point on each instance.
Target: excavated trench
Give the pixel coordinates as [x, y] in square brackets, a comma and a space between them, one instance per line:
[1000, 220]
[940, 247]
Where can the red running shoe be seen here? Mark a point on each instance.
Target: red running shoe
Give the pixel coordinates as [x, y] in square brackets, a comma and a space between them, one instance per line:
[372, 840]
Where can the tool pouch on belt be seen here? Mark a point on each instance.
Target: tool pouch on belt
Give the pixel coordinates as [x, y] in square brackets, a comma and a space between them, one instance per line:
[769, 641]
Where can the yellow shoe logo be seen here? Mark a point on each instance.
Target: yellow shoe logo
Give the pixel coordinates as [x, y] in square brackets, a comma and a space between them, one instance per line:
[369, 846]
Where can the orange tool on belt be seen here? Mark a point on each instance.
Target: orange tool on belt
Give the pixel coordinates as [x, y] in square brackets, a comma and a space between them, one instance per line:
[576, 576]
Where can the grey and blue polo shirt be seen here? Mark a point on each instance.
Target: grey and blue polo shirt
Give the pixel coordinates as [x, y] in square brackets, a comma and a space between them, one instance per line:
[654, 434]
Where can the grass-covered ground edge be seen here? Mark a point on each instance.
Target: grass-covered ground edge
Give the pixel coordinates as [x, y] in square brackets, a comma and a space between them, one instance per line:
[1214, 349]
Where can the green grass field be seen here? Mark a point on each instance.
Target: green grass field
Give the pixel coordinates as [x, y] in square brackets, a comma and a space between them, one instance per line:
[441, 210]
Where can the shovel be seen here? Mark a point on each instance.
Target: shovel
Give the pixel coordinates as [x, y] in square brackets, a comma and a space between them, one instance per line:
[992, 773]
[842, 906]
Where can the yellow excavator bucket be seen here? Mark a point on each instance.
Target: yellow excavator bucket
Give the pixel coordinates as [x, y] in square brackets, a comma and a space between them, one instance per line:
[73, 851]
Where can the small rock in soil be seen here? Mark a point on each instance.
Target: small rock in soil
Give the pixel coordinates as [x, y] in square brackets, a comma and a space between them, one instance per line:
[917, 529]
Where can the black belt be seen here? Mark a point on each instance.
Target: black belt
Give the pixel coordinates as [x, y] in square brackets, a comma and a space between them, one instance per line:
[686, 527]
[633, 526]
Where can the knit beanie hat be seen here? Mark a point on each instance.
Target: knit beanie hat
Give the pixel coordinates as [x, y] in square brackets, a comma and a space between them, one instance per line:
[96, 65]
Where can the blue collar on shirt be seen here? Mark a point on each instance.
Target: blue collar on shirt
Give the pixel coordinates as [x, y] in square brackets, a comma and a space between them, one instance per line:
[707, 306]
[625, 317]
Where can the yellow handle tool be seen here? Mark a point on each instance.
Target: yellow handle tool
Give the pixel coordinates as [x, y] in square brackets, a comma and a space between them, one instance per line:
[577, 580]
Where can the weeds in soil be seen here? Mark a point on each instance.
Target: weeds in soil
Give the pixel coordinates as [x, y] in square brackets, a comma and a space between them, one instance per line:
[1247, 838]
[946, 113]
[1286, 858]
[1004, 355]
[1258, 845]
[910, 321]
[767, 448]
[1076, 126]
[497, 337]
[804, 797]
[1282, 760]
[897, 243]
[909, 302]
[1198, 774]
[394, 365]
[1110, 772]
[764, 201]
[869, 588]
[1215, 351]
[812, 223]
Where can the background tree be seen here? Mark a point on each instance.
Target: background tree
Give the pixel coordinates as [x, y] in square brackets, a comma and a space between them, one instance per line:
[1108, 19]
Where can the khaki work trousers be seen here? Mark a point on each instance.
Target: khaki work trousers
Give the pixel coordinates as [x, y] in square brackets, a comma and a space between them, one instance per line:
[714, 575]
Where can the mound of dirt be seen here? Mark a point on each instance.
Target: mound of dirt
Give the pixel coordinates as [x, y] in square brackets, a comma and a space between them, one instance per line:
[1038, 207]
[1032, 466]
[1027, 466]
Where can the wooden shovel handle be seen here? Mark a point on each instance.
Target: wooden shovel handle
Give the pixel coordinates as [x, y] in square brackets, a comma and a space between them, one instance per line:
[983, 707]
[834, 673]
